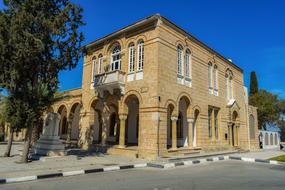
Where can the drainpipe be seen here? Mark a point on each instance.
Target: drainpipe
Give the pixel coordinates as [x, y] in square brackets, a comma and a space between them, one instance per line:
[158, 123]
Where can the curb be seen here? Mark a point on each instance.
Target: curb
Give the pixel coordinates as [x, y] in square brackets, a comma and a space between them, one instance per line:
[143, 165]
[186, 162]
[211, 159]
[71, 173]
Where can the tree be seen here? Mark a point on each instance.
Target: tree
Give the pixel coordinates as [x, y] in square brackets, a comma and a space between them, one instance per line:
[253, 84]
[268, 107]
[38, 39]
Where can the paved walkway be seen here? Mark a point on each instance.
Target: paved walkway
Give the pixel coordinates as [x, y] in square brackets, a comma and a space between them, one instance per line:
[9, 167]
[262, 154]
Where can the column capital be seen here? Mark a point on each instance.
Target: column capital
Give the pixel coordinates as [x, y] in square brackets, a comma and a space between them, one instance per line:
[123, 116]
[173, 118]
[190, 120]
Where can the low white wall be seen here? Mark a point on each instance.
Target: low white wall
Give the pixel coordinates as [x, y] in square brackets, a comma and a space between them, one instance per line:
[269, 139]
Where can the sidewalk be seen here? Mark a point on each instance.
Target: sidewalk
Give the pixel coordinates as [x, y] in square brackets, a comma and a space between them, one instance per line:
[8, 167]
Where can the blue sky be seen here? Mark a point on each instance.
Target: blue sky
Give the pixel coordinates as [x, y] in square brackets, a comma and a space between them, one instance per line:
[250, 32]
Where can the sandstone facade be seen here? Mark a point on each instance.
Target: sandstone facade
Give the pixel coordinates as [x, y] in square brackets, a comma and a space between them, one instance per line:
[153, 89]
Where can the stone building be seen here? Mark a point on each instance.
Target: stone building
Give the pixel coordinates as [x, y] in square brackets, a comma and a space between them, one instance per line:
[152, 89]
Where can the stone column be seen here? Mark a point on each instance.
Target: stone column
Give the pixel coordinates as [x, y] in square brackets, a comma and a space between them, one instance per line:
[174, 133]
[190, 132]
[122, 118]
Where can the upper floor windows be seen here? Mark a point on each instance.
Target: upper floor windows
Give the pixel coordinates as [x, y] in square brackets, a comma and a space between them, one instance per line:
[183, 66]
[213, 79]
[229, 84]
[140, 55]
[93, 69]
[188, 64]
[210, 77]
[116, 58]
[100, 64]
[179, 61]
[131, 66]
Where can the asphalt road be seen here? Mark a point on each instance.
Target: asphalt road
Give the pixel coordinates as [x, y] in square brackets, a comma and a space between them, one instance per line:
[224, 175]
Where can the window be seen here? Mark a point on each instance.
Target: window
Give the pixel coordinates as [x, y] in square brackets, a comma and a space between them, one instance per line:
[229, 85]
[210, 111]
[216, 123]
[188, 64]
[100, 64]
[113, 125]
[180, 126]
[131, 58]
[93, 70]
[179, 61]
[231, 88]
[210, 68]
[215, 73]
[140, 55]
[116, 58]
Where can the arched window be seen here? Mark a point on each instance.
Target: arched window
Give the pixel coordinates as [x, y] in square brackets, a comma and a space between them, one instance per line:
[251, 127]
[210, 77]
[180, 125]
[100, 64]
[93, 69]
[179, 61]
[113, 125]
[215, 73]
[140, 55]
[116, 58]
[131, 67]
[229, 85]
[188, 64]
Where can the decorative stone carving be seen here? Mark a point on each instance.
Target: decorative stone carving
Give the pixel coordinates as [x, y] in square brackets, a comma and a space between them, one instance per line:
[49, 143]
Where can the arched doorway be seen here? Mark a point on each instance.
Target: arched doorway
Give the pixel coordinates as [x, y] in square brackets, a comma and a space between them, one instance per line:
[74, 118]
[96, 121]
[234, 129]
[170, 109]
[182, 123]
[132, 122]
[195, 124]
[63, 125]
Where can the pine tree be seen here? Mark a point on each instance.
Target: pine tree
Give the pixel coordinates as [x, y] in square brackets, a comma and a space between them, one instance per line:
[38, 39]
[253, 84]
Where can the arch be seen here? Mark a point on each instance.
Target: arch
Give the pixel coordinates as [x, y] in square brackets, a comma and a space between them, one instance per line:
[188, 100]
[275, 139]
[235, 116]
[130, 93]
[63, 125]
[140, 37]
[170, 106]
[196, 114]
[170, 102]
[74, 116]
[266, 138]
[108, 49]
[132, 105]
[271, 139]
[61, 107]
[180, 43]
[251, 126]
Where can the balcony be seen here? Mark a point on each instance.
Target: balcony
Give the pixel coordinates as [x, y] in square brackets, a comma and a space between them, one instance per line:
[109, 81]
